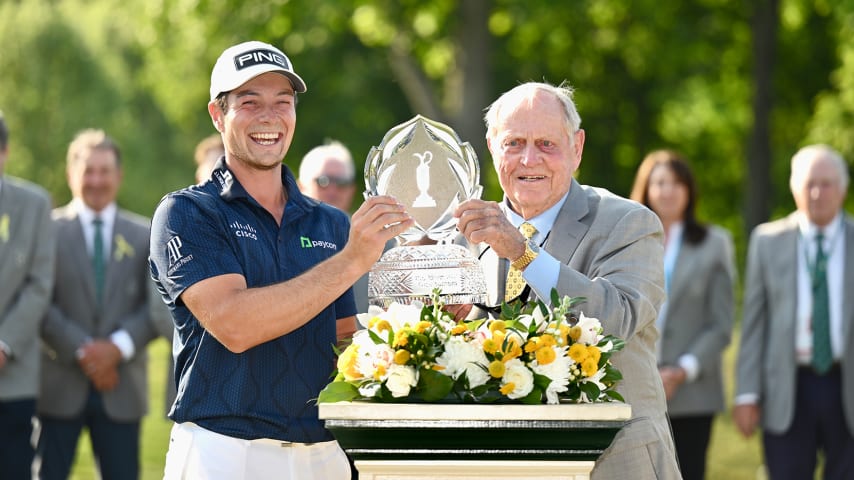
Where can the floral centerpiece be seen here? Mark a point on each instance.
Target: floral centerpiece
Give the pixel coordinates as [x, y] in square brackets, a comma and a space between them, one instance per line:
[531, 353]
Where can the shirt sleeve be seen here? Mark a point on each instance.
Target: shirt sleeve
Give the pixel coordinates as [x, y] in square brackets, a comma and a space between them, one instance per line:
[188, 244]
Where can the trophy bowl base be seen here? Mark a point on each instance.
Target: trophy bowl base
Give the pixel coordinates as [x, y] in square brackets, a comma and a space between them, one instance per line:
[408, 274]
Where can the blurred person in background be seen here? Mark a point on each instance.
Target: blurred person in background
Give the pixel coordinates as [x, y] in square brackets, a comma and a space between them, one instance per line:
[99, 323]
[695, 322]
[208, 151]
[26, 281]
[327, 173]
[795, 369]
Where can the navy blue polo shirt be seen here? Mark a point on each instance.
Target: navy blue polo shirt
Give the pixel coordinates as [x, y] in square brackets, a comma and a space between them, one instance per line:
[216, 228]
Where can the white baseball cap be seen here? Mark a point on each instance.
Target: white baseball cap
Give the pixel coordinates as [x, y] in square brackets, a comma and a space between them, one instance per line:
[243, 62]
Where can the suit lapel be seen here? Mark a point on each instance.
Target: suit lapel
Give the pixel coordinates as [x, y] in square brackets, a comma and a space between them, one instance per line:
[848, 280]
[8, 214]
[568, 230]
[74, 235]
[784, 250]
[686, 260]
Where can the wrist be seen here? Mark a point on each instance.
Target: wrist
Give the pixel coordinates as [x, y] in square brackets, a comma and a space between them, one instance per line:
[528, 255]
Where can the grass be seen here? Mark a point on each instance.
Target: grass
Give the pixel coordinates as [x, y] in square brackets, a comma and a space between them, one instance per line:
[730, 455]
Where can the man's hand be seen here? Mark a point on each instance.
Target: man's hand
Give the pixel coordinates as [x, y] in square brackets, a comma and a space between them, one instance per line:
[99, 360]
[459, 311]
[482, 221]
[378, 220]
[746, 418]
[672, 378]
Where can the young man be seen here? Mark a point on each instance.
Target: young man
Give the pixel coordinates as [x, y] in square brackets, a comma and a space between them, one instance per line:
[258, 278]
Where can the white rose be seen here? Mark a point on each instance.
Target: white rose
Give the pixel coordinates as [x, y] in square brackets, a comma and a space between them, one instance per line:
[590, 330]
[371, 356]
[401, 379]
[461, 356]
[522, 379]
[369, 390]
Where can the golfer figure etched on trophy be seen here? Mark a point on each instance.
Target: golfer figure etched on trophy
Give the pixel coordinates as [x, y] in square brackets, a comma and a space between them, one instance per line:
[425, 165]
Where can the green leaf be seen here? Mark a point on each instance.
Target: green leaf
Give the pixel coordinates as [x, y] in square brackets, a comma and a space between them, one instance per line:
[591, 390]
[533, 398]
[615, 396]
[338, 392]
[432, 385]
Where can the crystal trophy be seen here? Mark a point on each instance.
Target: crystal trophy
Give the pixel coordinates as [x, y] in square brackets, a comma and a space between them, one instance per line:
[428, 169]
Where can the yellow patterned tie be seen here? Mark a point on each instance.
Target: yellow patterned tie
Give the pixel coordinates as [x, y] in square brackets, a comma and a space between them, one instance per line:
[515, 283]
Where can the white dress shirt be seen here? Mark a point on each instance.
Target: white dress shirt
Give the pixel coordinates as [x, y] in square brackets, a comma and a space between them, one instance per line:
[121, 338]
[834, 248]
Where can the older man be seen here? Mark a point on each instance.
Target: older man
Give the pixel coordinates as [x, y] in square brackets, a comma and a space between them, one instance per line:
[97, 328]
[326, 173]
[795, 369]
[585, 242]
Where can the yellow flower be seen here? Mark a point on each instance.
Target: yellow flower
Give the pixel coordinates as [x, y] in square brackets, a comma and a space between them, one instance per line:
[401, 357]
[589, 367]
[578, 352]
[380, 373]
[490, 346]
[347, 363]
[382, 325]
[422, 326]
[4, 228]
[575, 333]
[123, 248]
[546, 355]
[594, 353]
[532, 345]
[497, 325]
[496, 369]
[459, 329]
[513, 350]
[547, 341]
[401, 338]
[507, 388]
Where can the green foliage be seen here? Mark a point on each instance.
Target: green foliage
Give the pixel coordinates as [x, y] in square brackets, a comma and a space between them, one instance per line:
[648, 74]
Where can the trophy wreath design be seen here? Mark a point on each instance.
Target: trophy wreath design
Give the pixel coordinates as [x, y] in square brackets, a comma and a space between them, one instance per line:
[425, 165]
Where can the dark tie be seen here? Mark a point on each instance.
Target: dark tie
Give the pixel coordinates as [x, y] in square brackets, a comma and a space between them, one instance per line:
[98, 257]
[822, 352]
[515, 283]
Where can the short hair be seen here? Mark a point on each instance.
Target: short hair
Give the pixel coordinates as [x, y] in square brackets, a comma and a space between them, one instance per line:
[562, 92]
[331, 149]
[212, 142]
[92, 139]
[802, 156]
[4, 132]
[695, 232]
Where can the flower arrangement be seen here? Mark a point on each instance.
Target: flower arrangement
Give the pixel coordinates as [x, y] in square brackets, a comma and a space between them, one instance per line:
[530, 354]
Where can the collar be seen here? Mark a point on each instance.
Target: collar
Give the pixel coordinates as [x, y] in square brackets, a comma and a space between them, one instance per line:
[231, 190]
[542, 222]
[87, 215]
[810, 230]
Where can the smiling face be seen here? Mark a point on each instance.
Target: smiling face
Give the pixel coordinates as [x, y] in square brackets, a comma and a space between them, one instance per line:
[258, 125]
[94, 176]
[534, 154]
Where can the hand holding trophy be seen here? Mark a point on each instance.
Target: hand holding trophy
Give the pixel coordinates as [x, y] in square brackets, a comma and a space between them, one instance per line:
[428, 169]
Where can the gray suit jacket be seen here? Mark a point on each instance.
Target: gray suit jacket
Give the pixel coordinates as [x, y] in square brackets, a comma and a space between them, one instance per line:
[766, 359]
[611, 252]
[26, 275]
[75, 316]
[698, 320]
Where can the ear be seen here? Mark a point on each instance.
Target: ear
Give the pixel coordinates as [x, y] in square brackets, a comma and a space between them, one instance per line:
[216, 116]
[578, 148]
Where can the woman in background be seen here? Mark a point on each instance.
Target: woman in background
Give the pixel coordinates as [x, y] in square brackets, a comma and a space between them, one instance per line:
[696, 320]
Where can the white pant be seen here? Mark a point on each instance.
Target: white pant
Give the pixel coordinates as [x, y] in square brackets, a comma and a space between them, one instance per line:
[199, 454]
